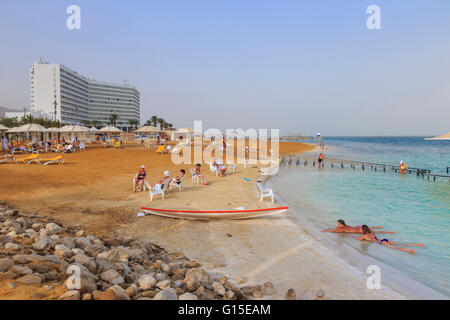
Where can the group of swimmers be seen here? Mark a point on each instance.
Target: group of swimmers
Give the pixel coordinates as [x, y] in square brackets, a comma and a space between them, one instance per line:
[369, 235]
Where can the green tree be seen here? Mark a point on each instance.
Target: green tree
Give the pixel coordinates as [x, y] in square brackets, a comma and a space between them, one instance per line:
[161, 123]
[10, 122]
[154, 120]
[113, 119]
[133, 123]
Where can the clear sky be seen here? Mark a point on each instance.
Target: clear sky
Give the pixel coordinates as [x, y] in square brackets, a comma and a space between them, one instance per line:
[300, 66]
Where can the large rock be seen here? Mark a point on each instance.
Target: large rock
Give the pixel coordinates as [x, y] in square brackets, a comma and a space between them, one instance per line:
[290, 294]
[109, 275]
[70, 295]
[82, 242]
[113, 293]
[200, 274]
[13, 246]
[268, 289]
[53, 227]
[163, 284]
[166, 294]
[218, 288]
[63, 251]
[20, 270]
[5, 264]
[42, 243]
[30, 279]
[188, 296]
[146, 282]
[120, 254]
[131, 290]
[85, 261]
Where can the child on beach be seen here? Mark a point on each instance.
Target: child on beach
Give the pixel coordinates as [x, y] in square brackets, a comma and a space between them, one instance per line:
[368, 235]
[199, 174]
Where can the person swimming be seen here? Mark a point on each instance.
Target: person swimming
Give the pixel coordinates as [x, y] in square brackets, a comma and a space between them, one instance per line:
[369, 235]
[343, 228]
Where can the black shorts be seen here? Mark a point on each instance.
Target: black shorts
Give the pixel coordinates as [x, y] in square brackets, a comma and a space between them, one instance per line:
[320, 160]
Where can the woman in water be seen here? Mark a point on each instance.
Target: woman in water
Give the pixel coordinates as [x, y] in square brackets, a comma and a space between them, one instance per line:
[368, 235]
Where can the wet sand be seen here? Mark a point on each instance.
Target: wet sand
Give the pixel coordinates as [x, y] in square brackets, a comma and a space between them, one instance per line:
[93, 190]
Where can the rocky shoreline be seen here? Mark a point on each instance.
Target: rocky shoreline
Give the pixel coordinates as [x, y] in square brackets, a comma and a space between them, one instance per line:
[38, 251]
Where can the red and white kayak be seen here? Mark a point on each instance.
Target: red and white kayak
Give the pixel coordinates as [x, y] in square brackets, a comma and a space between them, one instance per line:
[214, 214]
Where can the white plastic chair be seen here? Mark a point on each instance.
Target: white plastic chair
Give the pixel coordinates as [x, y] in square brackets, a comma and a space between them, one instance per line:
[213, 169]
[157, 189]
[180, 186]
[143, 187]
[194, 176]
[231, 166]
[265, 193]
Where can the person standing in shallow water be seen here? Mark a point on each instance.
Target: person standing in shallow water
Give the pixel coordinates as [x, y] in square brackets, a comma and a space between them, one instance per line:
[320, 160]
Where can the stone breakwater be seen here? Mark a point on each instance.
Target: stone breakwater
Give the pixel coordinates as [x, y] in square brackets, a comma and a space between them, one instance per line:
[37, 251]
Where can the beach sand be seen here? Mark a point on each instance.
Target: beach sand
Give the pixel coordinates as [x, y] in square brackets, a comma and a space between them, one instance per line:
[93, 190]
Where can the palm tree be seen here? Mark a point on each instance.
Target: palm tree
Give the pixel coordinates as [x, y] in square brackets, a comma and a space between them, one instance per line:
[161, 123]
[154, 120]
[28, 118]
[113, 119]
[133, 123]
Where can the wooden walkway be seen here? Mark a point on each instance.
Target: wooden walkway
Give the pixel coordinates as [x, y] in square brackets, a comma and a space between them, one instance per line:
[341, 163]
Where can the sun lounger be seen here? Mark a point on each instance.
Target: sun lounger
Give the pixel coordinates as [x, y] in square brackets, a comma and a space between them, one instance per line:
[57, 159]
[231, 166]
[161, 149]
[28, 159]
[265, 193]
[6, 160]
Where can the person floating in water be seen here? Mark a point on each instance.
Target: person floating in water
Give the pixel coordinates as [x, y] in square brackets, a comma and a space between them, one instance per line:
[343, 228]
[368, 235]
[321, 157]
[403, 167]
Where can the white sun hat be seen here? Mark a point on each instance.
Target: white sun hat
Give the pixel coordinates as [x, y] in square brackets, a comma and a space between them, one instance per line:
[166, 173]
[142, 167]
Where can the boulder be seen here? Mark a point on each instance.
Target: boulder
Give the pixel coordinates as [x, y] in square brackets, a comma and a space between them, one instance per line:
[53, 227]
[70, 295]
[166, 294]
[30, 279]
[5, 264]
[290, 294]
[163, 284]
[109, 275]
[146, 282]
[188, 296]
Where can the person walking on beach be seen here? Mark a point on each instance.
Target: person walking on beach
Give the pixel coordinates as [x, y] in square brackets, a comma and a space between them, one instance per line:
[368, 235]
[343, 228]
[321, 158]
[4, 143]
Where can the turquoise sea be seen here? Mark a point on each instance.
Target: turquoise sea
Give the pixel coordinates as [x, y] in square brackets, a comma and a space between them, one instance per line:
[417, 209]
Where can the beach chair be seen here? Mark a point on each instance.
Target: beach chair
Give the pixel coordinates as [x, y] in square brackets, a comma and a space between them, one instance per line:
[157, 189]
[44, 162]
[195, 178]
[213, 169]
[231, 166]
[180, 186]
[6, 160]
[29, 159]
[265, 193]
[160, 149]
[82, 146]
[143, 187]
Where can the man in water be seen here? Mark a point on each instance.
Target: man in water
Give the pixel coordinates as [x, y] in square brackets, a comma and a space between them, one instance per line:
[343, 228]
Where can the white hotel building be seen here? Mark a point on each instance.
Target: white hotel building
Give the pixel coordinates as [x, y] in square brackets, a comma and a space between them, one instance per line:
[71, 98]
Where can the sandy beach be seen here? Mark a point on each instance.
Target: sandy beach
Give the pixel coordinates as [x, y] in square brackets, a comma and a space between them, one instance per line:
[93, 191]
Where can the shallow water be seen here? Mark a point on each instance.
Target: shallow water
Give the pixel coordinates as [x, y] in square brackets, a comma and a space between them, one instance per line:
[416, 208]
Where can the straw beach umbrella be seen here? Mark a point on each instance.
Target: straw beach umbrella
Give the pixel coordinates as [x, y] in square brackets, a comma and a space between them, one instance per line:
[3, 128]
[110, 131]
[31, 129]
[147, 129]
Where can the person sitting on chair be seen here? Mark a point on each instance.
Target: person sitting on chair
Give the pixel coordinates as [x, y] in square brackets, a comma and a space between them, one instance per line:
[178, 178]
[199, 174]
[140, 178]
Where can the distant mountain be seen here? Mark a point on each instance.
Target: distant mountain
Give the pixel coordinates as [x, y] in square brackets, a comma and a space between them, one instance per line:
[5, 109]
